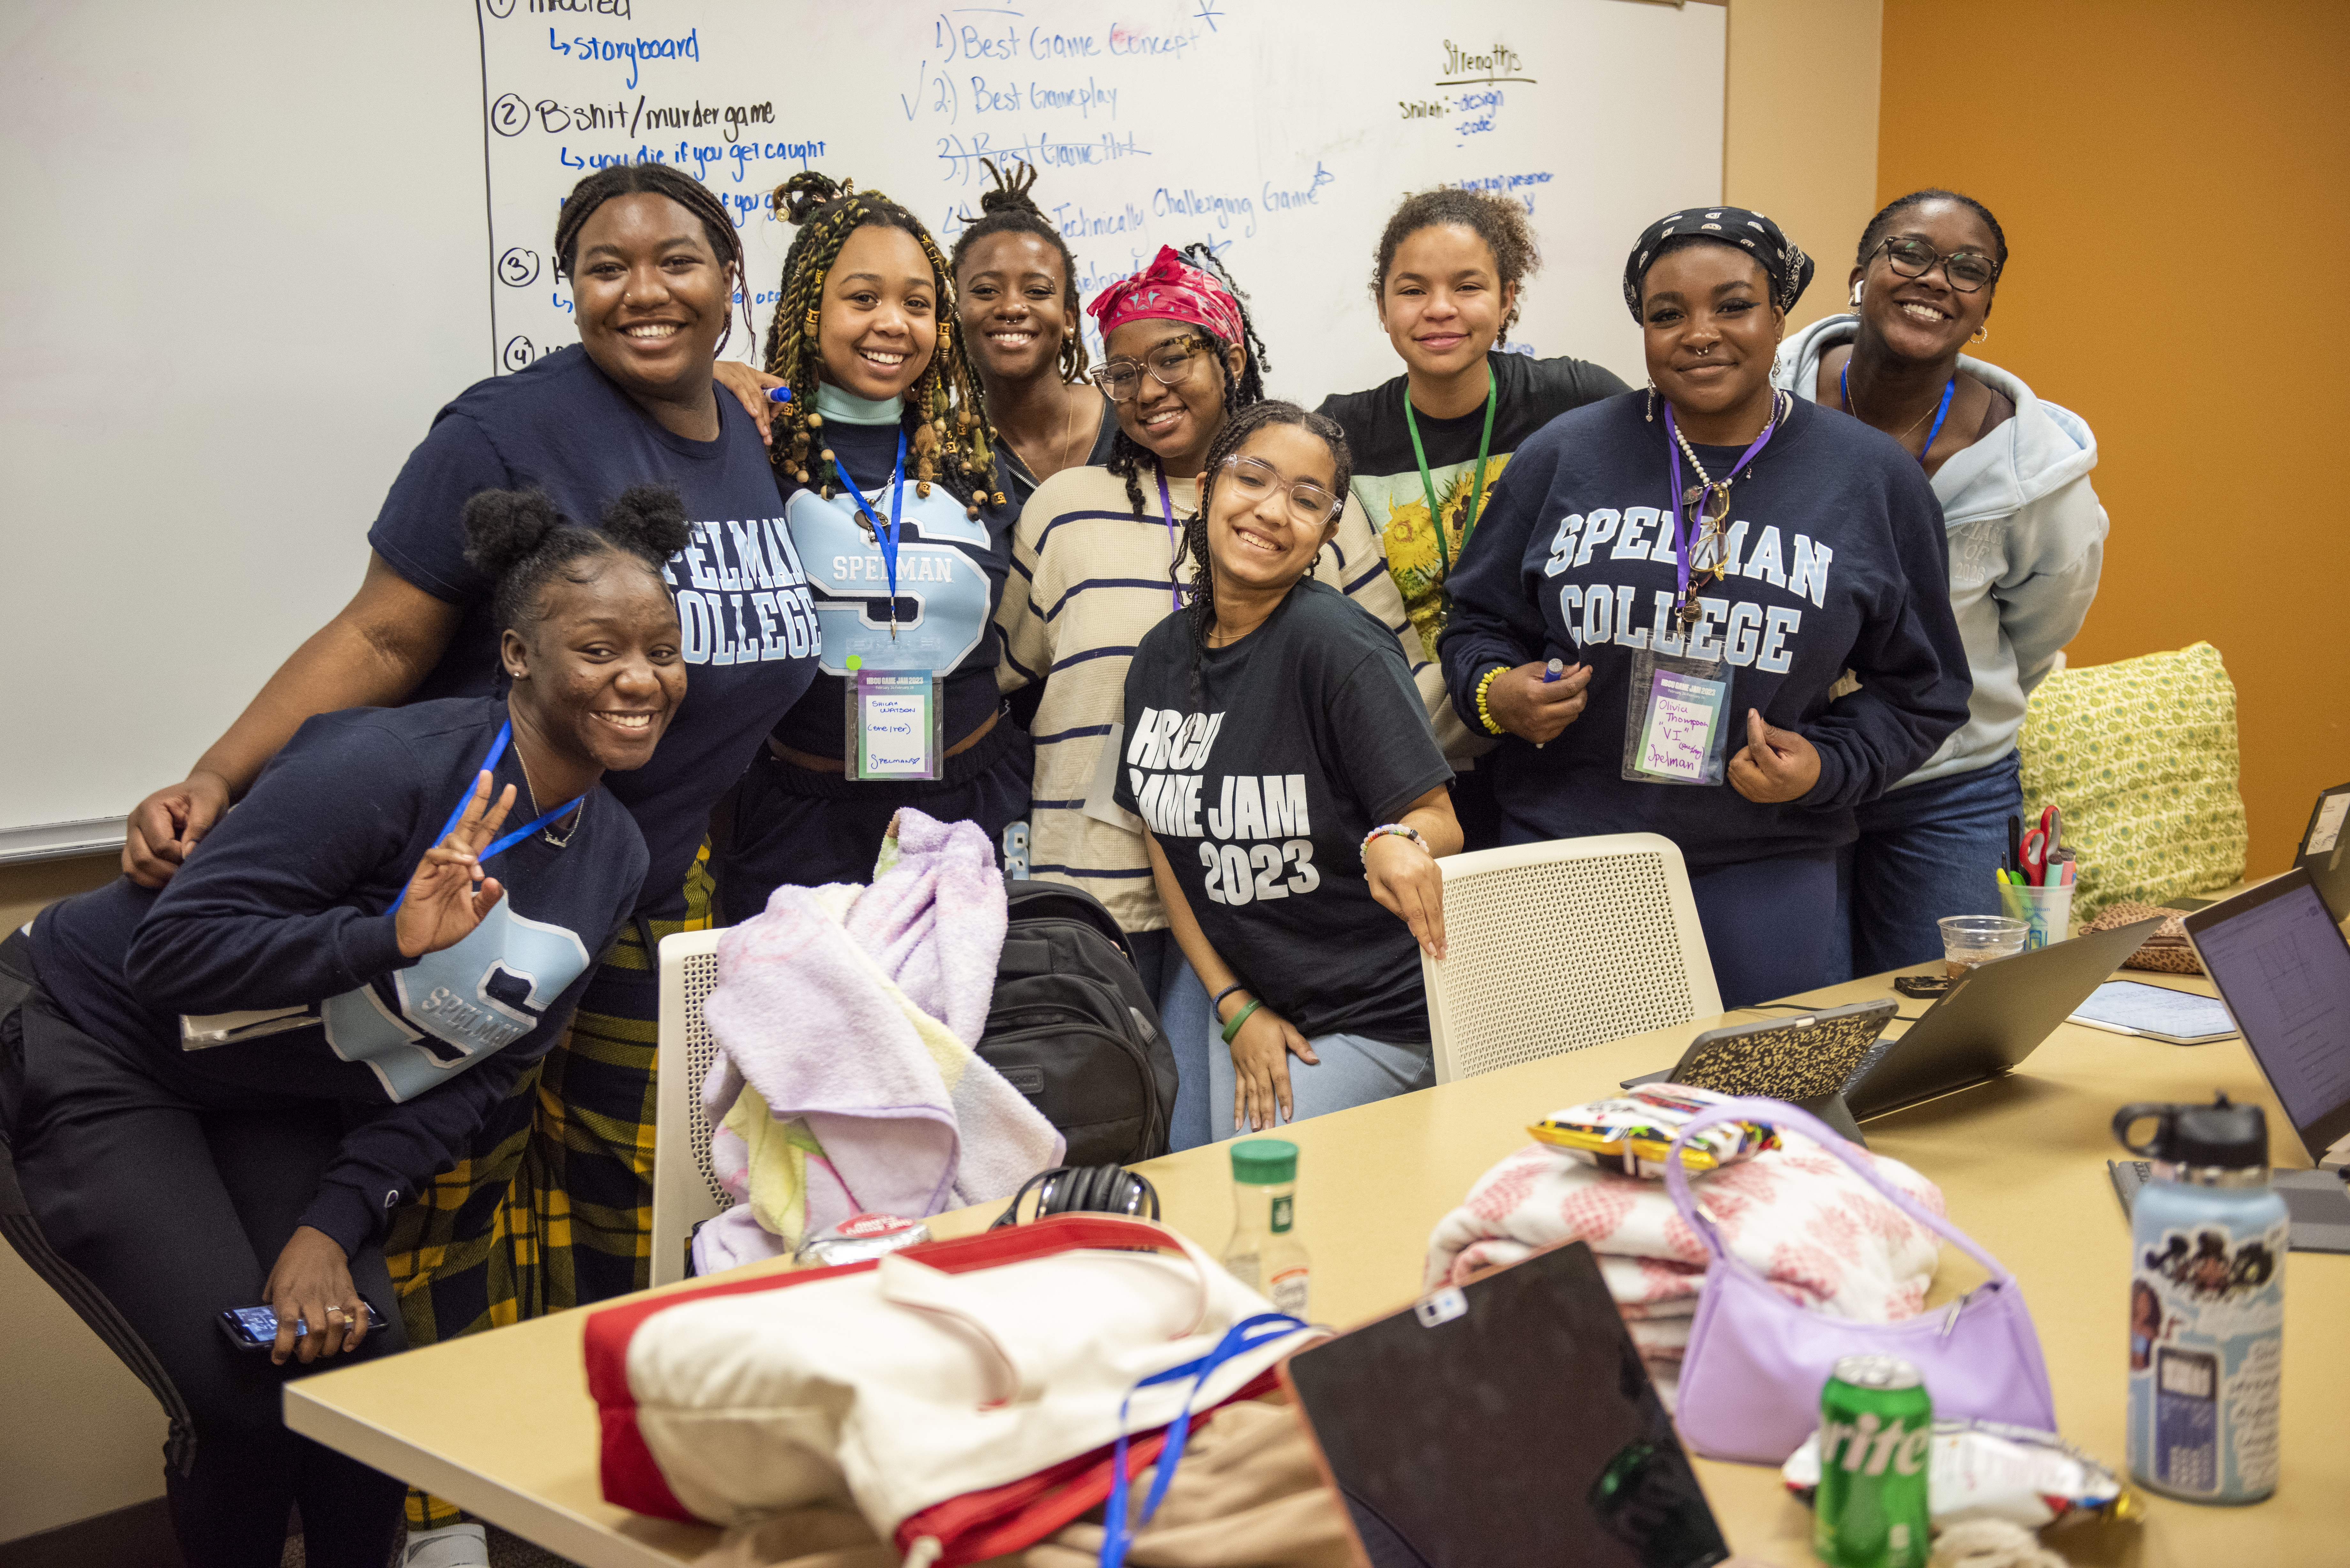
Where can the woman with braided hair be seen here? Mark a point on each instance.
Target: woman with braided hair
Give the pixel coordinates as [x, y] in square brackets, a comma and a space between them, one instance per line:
[1096, 564]
[653, 264]
[887, 465]
[1292, 790]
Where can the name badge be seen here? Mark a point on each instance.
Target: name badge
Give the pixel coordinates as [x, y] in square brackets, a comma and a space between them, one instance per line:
[1675, 731]
[894, 724]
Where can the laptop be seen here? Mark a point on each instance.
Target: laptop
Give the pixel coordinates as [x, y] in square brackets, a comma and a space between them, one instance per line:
[2282, 964]
[2325, 851]
[1804, 1060]
[1508, 1420]
[1988, 1021]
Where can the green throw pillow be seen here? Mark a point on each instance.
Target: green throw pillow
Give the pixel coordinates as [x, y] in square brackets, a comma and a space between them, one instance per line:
[2140, 755]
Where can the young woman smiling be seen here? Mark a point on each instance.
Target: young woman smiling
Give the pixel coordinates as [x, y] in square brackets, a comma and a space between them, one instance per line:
[1428, 445]
[1096, 564]
[410, 964]
[886, 462]
[653, 263]
[2026, 541]
[1704, 560]
[1293, 791]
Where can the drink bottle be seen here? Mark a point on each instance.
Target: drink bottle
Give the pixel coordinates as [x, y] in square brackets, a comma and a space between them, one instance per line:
[1265, 1252]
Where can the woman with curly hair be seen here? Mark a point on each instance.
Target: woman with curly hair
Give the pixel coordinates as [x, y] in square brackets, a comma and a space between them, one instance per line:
[886, 459]
[1292, 790]
[1429, 445]
[1097, 563]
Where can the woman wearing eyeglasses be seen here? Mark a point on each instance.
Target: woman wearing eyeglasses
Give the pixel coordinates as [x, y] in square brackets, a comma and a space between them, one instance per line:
[2026, 536]
[1715, 552]
[1293, 792]
[1094, 566]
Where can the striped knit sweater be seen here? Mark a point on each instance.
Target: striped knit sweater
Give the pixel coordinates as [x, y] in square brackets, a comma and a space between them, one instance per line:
[1088, 579]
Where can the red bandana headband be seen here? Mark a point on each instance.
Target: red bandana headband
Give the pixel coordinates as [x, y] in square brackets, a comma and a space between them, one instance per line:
[1169, 289]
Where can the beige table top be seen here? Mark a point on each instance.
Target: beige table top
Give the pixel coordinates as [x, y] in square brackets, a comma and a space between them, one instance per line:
[500, 1423]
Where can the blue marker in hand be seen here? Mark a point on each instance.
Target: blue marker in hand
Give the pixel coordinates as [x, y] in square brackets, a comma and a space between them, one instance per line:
[783, 395]
[1551, 672]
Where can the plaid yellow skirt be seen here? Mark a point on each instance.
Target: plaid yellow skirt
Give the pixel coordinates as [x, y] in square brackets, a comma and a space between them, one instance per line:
[554, 1207]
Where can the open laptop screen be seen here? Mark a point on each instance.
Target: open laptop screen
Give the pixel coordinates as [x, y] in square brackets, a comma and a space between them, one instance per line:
[2282, 965]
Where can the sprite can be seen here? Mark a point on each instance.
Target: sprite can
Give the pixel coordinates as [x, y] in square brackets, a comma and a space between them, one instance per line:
[1876, 1424]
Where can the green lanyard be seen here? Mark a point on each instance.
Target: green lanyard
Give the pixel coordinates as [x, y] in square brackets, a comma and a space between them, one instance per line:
[1428, 484]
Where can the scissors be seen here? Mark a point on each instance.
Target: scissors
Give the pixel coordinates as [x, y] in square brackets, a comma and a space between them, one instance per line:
[2033, 854]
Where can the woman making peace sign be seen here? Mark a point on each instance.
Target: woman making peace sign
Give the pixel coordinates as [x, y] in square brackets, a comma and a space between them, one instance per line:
[228, 1084]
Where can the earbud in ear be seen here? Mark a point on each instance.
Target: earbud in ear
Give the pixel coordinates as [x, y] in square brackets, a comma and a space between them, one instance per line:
[1856, 293]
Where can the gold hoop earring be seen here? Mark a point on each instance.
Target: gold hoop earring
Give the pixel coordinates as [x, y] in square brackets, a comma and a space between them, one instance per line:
[1981, 333]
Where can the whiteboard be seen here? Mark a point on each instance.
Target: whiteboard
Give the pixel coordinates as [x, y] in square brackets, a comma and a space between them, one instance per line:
[265, 245]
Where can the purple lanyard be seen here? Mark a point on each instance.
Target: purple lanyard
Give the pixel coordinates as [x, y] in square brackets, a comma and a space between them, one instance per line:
[1682, 545]
[1167, 510]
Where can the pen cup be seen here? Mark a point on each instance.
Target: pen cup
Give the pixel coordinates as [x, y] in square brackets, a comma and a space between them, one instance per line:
[1970, 940]
[2048, 911]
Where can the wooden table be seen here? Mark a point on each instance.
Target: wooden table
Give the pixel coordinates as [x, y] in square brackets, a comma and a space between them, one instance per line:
[500, 1423]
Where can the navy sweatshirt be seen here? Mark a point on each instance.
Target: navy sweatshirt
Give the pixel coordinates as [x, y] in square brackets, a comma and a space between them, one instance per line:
[286, 903]
[1835, 560]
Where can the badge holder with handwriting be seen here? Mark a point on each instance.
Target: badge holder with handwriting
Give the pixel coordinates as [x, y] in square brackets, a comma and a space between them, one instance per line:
[895, 722]
[1677, 720]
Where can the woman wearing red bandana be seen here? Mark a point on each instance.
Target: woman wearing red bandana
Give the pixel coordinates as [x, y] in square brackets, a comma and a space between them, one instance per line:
[1095, 564]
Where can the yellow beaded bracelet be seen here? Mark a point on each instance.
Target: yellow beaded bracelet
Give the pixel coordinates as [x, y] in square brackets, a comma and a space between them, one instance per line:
[1485, 714]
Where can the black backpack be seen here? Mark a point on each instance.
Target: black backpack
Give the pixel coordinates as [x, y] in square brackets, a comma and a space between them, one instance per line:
[1072, 1028]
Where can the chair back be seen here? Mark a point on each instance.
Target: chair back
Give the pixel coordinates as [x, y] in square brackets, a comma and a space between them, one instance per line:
[685, 1193]
[1555, 946]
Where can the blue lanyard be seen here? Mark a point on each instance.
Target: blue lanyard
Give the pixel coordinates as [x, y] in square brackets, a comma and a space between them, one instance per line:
[1243, 1335]
[887, 540]
[497, 847]
[1950, 390]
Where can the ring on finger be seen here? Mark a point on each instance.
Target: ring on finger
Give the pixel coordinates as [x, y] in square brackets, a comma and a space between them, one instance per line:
[334, 1312]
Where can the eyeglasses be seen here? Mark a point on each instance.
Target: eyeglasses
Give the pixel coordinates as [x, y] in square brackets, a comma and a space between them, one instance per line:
[1170, 363]
[1915, 258]
[1253, 479]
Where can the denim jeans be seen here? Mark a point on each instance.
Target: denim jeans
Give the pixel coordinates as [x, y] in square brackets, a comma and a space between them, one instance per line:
[1354, 1070]
[1770, 925]
[1924, 852]
[1182, 1004]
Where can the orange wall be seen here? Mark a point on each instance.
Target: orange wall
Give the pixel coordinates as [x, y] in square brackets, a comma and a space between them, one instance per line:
[2171, 178]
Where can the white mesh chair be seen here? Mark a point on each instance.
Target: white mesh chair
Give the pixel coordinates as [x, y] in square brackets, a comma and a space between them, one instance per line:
[1552, 947]
[684, 1191]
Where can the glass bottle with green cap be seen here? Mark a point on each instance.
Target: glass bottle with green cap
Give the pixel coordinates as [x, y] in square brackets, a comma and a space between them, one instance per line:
[1265, 1252]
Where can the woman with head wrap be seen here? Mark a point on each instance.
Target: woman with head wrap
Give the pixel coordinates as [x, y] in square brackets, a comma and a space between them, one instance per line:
[2026, 536]
[1701, 562]
[1096, 562]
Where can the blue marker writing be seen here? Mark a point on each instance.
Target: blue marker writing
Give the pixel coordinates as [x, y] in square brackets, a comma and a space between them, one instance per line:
[783, 395]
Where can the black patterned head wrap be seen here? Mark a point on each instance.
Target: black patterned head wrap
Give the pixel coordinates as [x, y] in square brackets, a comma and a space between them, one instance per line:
[1789, 269]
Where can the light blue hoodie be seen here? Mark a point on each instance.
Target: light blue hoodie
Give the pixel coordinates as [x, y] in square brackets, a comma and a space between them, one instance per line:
[2027, 537]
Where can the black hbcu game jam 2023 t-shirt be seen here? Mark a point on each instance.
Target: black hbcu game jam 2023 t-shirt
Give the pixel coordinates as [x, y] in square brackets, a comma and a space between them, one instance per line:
[749, 627]
[1304, 736]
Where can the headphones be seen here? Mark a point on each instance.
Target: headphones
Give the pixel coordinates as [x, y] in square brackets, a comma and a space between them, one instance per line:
[1082, 1188]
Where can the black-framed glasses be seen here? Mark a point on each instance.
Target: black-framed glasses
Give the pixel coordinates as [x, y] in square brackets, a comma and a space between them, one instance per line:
[1169, 362]
[1915, 258]
[1253, 479]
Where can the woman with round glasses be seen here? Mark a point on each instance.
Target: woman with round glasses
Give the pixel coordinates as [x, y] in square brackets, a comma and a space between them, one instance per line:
[2026, 541]
[1716, 553]
[1095, 566]
[1291, 790]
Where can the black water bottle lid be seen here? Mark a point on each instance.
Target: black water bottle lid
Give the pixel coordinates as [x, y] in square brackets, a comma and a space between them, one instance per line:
[2220, 1133]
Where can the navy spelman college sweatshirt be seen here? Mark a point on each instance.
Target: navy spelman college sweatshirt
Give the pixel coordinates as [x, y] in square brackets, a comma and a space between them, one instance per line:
[1836, 561]
[284, 905]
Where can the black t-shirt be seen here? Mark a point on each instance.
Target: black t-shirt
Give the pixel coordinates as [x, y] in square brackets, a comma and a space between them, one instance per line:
[1011, 475]
[950, 569]
[563, 426]
[1531, 393]
[1307, 734]
[287, 904]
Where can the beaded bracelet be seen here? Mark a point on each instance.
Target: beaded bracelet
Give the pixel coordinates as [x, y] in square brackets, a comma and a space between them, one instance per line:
[1400, 829]
[1485, 713]
[1217, 1001]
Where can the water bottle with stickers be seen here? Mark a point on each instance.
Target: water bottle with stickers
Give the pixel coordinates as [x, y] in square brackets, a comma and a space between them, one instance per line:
[2208, 1247]
[1265, 1252]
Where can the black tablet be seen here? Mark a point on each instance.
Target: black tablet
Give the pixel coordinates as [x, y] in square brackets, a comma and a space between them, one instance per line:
[1508, 1422]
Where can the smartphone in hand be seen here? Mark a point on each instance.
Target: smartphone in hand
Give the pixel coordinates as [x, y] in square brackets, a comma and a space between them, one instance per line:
[255, 1327]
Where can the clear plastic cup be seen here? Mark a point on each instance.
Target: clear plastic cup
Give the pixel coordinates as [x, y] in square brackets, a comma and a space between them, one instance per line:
[1971, 939]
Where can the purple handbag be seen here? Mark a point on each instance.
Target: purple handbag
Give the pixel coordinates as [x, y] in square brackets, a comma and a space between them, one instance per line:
[1751, 1379]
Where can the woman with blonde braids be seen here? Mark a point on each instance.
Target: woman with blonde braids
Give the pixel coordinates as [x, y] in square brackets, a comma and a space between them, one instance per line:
[885, 460]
